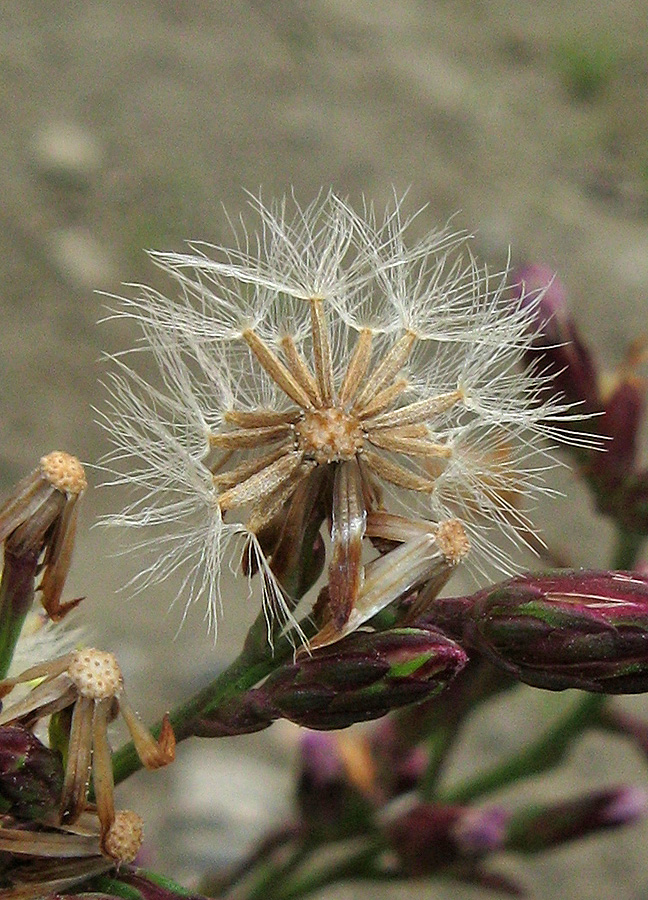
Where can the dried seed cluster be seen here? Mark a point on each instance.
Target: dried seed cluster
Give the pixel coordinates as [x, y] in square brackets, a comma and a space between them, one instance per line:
[90, 682]
[96, 674]
[38, 525]
[325, 370]
[124, 838]
[64, 472]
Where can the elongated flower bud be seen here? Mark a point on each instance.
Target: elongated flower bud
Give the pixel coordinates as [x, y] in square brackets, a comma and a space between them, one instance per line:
[542, 827]
[566, 361]
[429, 838]
[571, 629]
[329, 799]
[363, 677]
[624, 412]
[400, 766]
[31, 776]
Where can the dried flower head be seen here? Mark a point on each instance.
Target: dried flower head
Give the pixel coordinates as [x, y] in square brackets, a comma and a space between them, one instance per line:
[91, 683]
[323, 370]
[38, 525]
[48, 859]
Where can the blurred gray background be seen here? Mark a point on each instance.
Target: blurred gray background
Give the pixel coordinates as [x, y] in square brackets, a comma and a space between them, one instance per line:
[128, 125]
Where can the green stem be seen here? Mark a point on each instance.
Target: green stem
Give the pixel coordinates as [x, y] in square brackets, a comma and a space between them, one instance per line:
[439, 746]
[272, 875]
[360, 865]
[543, 754]
[627, 549]
[256, 660]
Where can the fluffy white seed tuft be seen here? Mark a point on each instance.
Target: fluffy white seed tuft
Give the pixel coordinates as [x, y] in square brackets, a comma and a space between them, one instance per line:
[323, 338]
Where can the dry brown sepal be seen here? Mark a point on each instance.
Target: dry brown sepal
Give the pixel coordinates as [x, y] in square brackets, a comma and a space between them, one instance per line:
[90, 682]
[50, 860]
[38, 521]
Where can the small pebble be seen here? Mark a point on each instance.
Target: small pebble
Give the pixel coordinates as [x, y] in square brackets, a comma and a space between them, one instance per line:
[79, 258]
[67, 154]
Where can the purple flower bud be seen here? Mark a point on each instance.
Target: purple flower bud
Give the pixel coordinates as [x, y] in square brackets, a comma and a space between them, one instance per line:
[422, 838]
[321, 763]
[621, 422]
[431, 837]
[31, 776]
[328, 799]
[400, 765]
[564, 357]
[363, 677]
[481, 831]
[538, 286]
[628, 805]
[542, 827]
[571, 629]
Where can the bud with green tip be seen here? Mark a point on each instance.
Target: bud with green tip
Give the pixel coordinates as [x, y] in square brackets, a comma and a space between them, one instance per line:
[31, 776]
[567, 629]
[364, 676]
[361, 677]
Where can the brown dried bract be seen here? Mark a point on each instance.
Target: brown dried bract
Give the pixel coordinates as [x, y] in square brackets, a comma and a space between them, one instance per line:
[90, 682]
[38, 525]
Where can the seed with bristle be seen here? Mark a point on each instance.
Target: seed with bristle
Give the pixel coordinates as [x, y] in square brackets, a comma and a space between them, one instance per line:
[124, 837]
[96, 674]
[64, 472]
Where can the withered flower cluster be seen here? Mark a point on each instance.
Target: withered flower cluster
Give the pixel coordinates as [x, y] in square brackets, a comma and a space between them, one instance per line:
[37, 528]
[51, 836]
[615, 401]
[328, 385]
[90, 683]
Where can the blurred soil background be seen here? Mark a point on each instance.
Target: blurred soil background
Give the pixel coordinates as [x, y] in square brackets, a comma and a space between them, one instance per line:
[128, 125]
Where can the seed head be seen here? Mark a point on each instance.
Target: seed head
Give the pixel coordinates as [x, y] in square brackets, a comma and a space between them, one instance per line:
[95, 673]
[64, 472]
[90, 683]
[451, 538]
[321, 372]
[124, 838]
